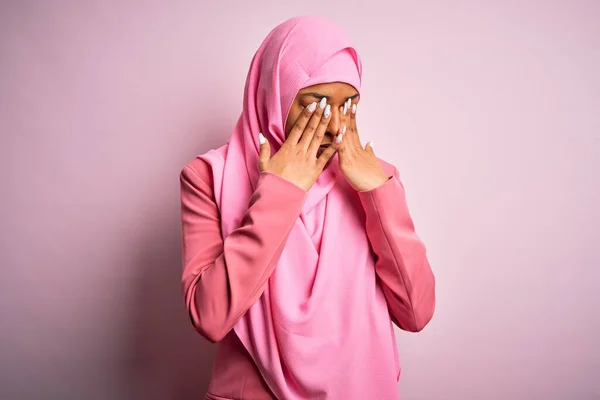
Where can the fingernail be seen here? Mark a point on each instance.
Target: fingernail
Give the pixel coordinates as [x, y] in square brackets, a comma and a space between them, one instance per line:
[338, 139]
[349, 102]
[343, 129]
[345, 108]
[327, 111]
[262, 139]
[371, 144]
[312, 106]
[323, 102]
[354, 108]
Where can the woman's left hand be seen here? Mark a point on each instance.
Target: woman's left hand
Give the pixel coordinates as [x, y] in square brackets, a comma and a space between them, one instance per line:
[359, 166]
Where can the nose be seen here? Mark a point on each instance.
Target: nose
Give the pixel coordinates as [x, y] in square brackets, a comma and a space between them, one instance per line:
[335, 122]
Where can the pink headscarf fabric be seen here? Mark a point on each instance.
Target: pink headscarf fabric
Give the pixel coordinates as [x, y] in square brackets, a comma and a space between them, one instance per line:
[321, 329]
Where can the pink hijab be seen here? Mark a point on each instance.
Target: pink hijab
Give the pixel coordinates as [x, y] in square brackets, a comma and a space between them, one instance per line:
[321, 329]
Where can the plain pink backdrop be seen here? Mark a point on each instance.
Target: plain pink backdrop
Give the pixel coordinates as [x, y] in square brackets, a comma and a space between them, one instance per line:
[490, 109]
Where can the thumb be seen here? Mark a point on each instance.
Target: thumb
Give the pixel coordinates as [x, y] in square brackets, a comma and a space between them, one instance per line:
[265, 152]
[369, 147]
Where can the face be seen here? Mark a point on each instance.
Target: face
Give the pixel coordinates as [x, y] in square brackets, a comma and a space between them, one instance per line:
[337, 94]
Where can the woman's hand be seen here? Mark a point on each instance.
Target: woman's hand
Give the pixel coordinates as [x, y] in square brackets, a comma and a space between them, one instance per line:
[360, 166]
[296, 160]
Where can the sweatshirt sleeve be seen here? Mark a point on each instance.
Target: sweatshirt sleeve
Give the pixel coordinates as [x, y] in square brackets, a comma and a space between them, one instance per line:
[222, 279]
[401, 263]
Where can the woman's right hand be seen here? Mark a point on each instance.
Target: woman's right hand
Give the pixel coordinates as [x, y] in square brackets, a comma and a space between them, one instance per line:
[296, 160]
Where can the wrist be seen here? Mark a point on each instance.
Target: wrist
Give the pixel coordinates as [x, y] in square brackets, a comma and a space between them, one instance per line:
[374, 184]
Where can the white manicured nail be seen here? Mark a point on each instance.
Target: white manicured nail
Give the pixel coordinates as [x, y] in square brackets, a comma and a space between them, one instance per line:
[339, 137]
[354, 108]
[323, 102]
[262, 139]
[343, 129]
[371, 144]
[345, 108]
[327, 111]
[312, 106]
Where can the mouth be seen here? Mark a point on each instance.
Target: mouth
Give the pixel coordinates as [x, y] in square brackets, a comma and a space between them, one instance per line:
[322, 148]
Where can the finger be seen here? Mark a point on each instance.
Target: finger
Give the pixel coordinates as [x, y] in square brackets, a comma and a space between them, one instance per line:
[340, 140]
[300, 124]
[265, 152]
[344, 119]
[347, 106]
[369, 148]
[346, 115]
[352, 115]
[317, 138]
[341, 128]
[345, 127]
[353, 137]
[313, 124]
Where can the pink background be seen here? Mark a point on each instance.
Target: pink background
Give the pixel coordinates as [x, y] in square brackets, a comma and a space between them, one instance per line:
[489, 109]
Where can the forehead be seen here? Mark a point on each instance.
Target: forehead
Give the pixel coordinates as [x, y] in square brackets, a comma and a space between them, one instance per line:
[332, 89]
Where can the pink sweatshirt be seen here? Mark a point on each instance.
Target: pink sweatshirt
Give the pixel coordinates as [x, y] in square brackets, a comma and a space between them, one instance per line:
[221, 280]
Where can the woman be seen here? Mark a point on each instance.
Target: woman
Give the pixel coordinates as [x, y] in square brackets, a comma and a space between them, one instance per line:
[298, 247]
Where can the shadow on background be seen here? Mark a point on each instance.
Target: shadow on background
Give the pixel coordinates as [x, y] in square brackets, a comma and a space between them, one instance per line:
[169, 359]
